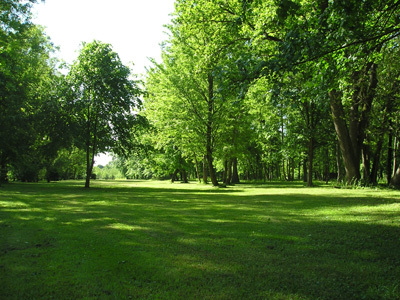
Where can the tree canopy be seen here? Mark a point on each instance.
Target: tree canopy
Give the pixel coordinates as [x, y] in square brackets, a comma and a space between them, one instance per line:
[254, 90]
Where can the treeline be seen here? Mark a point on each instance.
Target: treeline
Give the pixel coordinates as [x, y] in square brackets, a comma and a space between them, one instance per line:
[257, 90]
[276, 90]
[52, 125]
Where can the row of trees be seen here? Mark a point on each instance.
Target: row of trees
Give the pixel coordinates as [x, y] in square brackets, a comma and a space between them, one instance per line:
[51, 124]
[281, 89]
[272, 89]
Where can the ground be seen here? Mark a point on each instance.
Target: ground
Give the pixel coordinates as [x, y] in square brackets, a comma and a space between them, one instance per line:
[157, 240]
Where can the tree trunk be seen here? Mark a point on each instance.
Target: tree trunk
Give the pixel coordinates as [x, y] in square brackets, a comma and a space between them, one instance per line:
[327, 166]
[394, 156]
[235, 175]
[396, 178]
[197, 167]
[3, 170]
[90, 160]
[366, 158]
[174, 176]
[310, 162]
[340, 171]
[225, 173]
[349, 158]
[229, 175]
[184, 176]
[89, 165]
[305, 176]
[299, 174]
[389, 157]
[209, 139]
[293, 168]
[352, 138]
[213, 176]
[205, 169]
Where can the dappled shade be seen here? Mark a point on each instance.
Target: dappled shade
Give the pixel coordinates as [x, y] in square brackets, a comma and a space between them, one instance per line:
[157, 240]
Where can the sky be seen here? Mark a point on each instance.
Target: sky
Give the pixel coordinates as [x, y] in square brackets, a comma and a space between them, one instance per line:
[133, 27]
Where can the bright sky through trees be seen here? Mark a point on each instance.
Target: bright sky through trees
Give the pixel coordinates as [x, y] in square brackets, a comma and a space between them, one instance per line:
[133, 27]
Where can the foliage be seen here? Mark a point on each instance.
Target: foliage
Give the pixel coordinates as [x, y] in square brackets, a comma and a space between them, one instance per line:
[102, 99]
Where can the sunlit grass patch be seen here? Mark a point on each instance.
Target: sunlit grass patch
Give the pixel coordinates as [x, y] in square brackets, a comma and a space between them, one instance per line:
[157, 240]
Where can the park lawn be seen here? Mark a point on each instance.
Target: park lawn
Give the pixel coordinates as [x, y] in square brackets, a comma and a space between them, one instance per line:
[157, 240]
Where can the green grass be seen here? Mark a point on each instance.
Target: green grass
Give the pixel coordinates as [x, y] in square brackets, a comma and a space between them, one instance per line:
[156, 240]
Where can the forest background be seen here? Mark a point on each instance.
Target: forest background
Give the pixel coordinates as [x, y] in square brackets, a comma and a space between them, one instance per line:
[255, 90]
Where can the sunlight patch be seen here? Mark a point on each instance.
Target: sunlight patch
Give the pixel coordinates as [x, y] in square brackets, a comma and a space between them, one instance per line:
[13, 204]
[220, 221]
[121, 226]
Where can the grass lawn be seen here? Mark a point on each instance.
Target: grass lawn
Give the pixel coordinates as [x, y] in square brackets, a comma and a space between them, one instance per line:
[157, 240]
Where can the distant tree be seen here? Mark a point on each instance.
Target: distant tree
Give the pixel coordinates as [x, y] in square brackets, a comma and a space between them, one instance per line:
[102, 99]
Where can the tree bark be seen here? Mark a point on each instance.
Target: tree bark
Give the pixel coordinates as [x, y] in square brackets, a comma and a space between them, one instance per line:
[235, 175]
[389, 157]
[174, 176]
[394, 156]
[375, 163]
[184, 176]
[229, 175]
[366, 153]
[340, 171]
[310, 162]
[351, 138]
[90, 156]
[327, 166]
[197, 167]
[351, 163]
[205, 169]
[209, 138]
[305, 170]
[3, 170]
[396, 178]
[225, 173]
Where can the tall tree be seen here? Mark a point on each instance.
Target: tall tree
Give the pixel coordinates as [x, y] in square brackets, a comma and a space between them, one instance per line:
[102, 99]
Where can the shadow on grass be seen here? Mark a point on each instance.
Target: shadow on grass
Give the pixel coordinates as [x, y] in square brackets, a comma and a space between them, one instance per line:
[171, 241]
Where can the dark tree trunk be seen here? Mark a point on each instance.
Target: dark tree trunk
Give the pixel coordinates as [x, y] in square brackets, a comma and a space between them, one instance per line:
[3, 170]
[184, 176]
[90, 154]
[229, 175]
[396, 178]
[213, 176]
[375, 161]
[349, 158]
[89, 165]
[209, 138]
[389, 158]
[225, 173]
[205, 169]
[299, 174]
[197, 167]
[327, 167]
[310, 162]
[305, 176]
[235, 175]
[352, 138]
[366, 158]
[395, 150]
[340, 171]
[174, 176]
[284, 169]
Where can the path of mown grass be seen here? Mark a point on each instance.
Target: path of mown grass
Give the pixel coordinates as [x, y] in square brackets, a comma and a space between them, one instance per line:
[156, 240]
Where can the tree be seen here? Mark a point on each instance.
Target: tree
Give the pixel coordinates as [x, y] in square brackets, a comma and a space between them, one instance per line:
[28, 80]
[102, 99]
